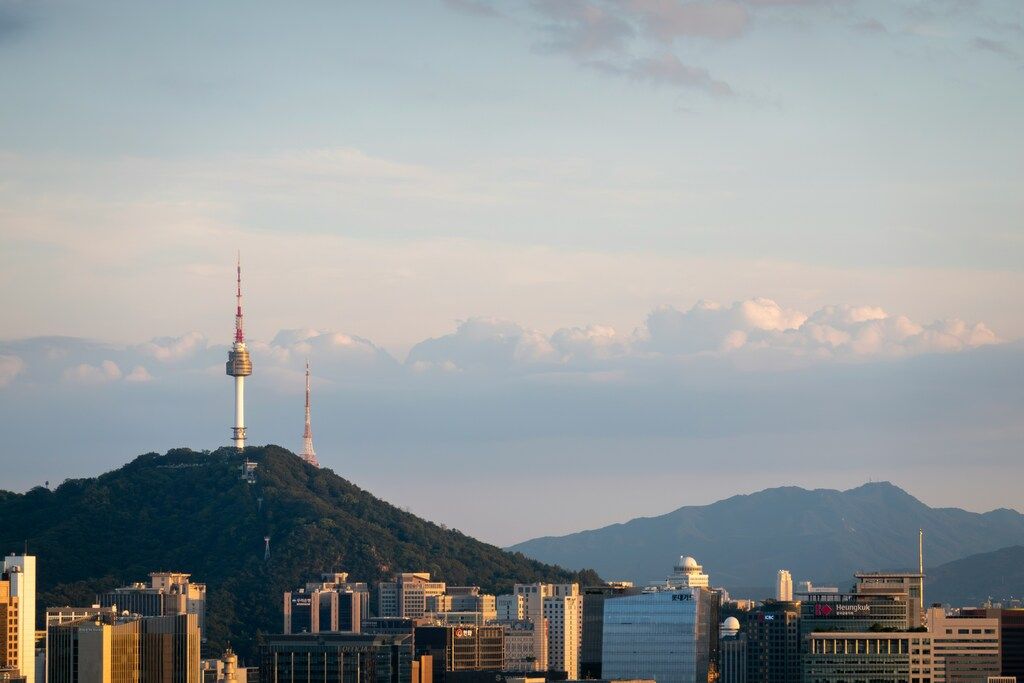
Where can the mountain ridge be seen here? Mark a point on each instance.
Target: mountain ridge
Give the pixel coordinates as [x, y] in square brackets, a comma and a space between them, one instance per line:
[823, 535]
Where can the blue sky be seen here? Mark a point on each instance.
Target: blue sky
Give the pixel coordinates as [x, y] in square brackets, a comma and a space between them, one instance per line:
[548, 190]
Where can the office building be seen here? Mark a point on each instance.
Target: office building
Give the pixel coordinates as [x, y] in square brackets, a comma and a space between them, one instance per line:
[963, 650]
[773, 643]
[64, 615]
[784, 586]
[168, 593]
[510, 607]
[322, 610]
[521, 644]
[8, 627]
[391, 626]
[461, 648]
[1011, 637]
[108, 648]
[732, 648]
[562, 607]
[593, 624]
[670, 636]
[807, 587]
[464, 599]
[951, 650]
[406, 595]
[908, 584]
[855, 612]
[19, 572]
[348, 657]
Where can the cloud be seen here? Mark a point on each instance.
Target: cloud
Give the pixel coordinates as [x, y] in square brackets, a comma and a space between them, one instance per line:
[994, 46]
[664, 69]
[709, 326]
[473, 7]
[138, 374]
[582, 27]
[10, 367]
[667, 20]
[483, 344]
[83, 373]
[871, 25]
[168, 349]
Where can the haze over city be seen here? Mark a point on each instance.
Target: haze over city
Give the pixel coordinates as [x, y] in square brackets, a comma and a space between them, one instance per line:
[638, 244]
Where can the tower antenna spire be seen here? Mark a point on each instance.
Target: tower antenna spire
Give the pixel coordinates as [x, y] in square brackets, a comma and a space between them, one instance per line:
[308, 454]
[239, 364]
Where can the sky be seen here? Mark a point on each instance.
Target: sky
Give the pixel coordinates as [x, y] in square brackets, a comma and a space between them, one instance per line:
[555, 263]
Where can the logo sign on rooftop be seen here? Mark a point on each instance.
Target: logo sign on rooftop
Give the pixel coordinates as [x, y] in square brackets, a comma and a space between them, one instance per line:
[463, 633]
[824, 609]
[682, 597]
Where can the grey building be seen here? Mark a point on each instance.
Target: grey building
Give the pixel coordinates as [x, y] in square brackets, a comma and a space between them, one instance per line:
[342, 657]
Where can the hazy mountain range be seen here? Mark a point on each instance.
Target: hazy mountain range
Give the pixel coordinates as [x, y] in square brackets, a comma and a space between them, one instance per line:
[822, 535]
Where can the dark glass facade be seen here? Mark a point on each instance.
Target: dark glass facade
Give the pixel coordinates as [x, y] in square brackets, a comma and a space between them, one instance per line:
[336, 657]
[773, 643]
[461, 648]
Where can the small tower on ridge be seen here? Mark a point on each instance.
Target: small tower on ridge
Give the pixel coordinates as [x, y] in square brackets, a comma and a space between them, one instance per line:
[308, 454]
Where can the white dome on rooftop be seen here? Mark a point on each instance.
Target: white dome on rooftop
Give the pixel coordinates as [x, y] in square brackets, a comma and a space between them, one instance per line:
[688, 562]
[731, 624]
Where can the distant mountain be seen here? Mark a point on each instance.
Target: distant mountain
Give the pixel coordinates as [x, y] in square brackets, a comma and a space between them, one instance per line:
[972, 580]
[822, 535]
[190, 511]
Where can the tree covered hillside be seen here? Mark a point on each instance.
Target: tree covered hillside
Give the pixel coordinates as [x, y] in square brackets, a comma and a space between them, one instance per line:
[193, 512]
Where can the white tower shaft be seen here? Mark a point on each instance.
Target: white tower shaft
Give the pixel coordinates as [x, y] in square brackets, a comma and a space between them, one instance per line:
[238, 432]
[239, 366]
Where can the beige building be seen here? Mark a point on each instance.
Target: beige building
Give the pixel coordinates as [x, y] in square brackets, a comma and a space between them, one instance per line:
[511, 607]
[963, 650]
[224, 670]
[784, 586]
[560, 608]
[910, 584]
[406, 595]
[8, 627]
[521, 652]
[168, 593]
[106, 648]
[20, 573]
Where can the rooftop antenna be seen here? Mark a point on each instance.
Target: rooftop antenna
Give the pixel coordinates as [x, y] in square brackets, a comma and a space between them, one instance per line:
[920, 551]
[266, 548]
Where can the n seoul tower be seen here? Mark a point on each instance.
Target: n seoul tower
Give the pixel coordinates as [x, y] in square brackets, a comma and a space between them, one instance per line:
[239, 366]
[308, 454]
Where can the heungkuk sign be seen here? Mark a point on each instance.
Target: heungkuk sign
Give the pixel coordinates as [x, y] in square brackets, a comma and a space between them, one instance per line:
[840, 609]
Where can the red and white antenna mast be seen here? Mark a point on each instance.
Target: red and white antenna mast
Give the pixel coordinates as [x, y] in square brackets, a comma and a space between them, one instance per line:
[308, 454]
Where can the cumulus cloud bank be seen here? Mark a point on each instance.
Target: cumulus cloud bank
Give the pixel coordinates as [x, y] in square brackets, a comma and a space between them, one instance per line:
[758, 333]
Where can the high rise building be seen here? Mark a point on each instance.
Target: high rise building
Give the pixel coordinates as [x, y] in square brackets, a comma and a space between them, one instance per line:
[593, 624]
[784, 586]
[963, 650]
[332, 604]
[308, 454]
[561, 606]
[64, 615]
[20, 573]
[908, 584]
[406, 595]
[108, 648]
[732, 647]
[463, 599]
[9, 651]
[348, 657]
[461, 648]
[773, 643]
[1011, 636]
[670, 636]
[168, 593]
[239, 366]
[511, 607]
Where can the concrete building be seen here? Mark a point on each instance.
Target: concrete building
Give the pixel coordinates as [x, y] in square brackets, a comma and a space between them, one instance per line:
[1011, 636]
[909, 584]
[670, 636]
[168, 593]
[521, 644]
[773, 643]
[106, 648]
[464, 599]
[20, 573]
[9, 652]
[348, 657]
[64, 615]
[732, 648]
[224, 669]
[510, 607]
[561, 606]
[951, 650]
[784, 586]
[322, 610]
[406, 595]
[687, 574]
[461, 648]
[855, 612]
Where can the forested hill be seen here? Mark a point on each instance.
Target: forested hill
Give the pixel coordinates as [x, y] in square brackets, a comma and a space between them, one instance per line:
[193, 512]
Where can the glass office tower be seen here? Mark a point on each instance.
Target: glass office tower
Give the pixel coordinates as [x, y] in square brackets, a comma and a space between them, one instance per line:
[668, 636]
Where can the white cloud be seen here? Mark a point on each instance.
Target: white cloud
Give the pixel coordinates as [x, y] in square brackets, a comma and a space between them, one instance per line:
[167, 349]
[10, 367]
[83, 373]
[138, 374]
